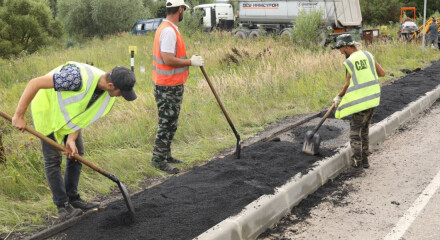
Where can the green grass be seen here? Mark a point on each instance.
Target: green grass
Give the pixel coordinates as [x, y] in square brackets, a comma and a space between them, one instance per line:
[272, 79]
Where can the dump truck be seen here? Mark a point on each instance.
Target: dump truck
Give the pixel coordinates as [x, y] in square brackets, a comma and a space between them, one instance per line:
[256, 18]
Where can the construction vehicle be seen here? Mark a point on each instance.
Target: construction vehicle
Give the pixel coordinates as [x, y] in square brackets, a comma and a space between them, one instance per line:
[216, 15]
[418, 35]
[408, 25]
[260, 17]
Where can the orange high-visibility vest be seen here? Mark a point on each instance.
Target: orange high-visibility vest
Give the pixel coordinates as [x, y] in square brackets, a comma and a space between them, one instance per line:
[166, 75]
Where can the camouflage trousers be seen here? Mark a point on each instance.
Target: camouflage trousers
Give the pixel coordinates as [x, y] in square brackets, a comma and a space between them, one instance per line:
[359, 129]
[168, 99]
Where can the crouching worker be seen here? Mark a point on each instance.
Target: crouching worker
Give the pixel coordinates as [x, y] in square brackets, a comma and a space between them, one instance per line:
[64, 101]
[359, 97]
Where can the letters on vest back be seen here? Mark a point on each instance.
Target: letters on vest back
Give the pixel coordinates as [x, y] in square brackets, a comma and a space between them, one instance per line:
[357, 68]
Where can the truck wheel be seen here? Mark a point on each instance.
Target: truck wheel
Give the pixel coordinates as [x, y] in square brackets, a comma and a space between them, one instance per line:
[286, 36]
[254, 35]
[241, 35]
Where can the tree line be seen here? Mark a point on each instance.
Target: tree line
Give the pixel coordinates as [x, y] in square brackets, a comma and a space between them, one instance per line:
[26, 25]
[376, 12]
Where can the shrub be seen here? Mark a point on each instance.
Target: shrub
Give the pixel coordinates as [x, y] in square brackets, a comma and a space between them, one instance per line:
[192, 22]
[90, 18]
[309, 28]
[25, 26]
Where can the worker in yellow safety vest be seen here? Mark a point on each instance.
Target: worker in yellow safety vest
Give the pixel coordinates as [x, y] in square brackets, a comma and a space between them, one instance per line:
[64, 101]
[359, 97]
[170, 72]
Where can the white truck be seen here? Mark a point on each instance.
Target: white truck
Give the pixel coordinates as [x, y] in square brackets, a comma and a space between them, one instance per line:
[258, 17]
[217, 15]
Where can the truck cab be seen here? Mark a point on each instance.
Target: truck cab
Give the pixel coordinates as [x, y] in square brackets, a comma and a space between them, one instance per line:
[216, 15]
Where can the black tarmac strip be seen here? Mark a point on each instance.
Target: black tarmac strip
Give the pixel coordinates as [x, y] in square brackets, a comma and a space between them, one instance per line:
[185, 206]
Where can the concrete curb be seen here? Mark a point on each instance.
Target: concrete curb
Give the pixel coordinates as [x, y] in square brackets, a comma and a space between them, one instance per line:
[268, 209]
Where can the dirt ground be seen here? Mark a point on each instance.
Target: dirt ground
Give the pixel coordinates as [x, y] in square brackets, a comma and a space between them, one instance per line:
[184, 206]
[369, 207]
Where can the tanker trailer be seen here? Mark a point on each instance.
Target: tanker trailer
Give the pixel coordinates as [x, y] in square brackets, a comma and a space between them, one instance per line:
[256, 18]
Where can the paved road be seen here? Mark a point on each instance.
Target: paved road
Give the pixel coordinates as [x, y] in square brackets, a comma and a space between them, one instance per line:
[399, 198]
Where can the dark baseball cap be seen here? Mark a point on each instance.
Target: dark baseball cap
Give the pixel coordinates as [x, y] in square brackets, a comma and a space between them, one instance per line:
[124, 79]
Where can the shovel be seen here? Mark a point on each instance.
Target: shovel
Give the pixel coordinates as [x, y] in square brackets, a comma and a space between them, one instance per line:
[77, 157]
[312, 138]
[238, 146]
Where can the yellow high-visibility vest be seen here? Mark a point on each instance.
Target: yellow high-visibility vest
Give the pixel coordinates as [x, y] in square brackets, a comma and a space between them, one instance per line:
[65, 112]
[364, 89]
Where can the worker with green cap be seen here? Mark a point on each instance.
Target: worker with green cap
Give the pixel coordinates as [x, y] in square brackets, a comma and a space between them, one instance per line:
[64, 101]
[359, 97]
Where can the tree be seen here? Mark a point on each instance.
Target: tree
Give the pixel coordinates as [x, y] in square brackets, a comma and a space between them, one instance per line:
[25, 26]
[53, 7]
[380, 11]
[100, 17]
[308, 28]
[431, 6]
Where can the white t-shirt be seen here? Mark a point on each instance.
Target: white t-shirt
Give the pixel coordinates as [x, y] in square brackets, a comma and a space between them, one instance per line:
[168, 39]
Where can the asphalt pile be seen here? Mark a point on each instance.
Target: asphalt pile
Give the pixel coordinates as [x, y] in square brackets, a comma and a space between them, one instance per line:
[185, 206]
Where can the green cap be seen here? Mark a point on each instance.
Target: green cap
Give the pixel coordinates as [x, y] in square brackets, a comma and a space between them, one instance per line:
[345, 40]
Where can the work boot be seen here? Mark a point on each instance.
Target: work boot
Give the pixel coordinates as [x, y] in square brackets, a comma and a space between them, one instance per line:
[354, 171]
[166, 167]
[67, 211]
[174, 160]
[365, 163]
[83, 205]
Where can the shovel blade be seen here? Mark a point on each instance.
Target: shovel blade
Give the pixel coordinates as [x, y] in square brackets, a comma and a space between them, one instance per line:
[127, 198]
[238, 150]
[311, 143]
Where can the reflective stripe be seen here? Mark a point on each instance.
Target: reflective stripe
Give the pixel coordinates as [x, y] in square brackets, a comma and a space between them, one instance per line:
[64, 102]
[101, 109]
[353, 72]
[170, 72]
[363, 85]
[65, 113]
[356, 85]
[371, 64]
[358, 101]
[160, 61]
[80, 96]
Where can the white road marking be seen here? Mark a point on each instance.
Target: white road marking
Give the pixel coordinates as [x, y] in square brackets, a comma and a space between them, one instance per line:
[405, 222]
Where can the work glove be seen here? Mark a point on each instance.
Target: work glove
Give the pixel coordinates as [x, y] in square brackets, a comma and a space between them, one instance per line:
[196, 61]
[337, 100]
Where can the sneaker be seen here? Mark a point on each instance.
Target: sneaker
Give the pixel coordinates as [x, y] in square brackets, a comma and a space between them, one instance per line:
[67, 211]
[354, 172]
[365, 163]
[83, 205]
[174, 160]
[166, 167]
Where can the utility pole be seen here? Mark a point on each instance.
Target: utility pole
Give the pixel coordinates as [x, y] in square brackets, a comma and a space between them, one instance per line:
[424, 27]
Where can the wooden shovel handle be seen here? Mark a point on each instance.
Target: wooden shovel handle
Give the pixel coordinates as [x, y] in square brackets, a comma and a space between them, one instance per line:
[62, 148]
